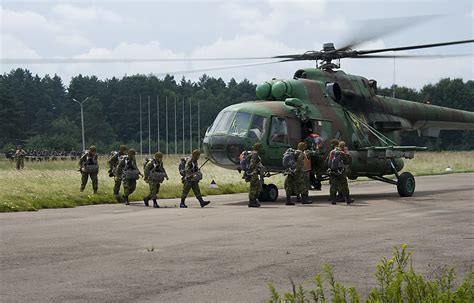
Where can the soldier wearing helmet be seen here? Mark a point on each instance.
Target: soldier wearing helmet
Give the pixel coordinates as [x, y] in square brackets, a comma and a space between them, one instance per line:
[89, 167]
[113, 163]
[128, 170]
[191, 178]
[256, 169]
[338, 160]
[20, 155]
[155, 174]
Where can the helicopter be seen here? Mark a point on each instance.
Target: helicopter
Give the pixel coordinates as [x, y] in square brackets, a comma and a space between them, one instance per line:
[333, 104]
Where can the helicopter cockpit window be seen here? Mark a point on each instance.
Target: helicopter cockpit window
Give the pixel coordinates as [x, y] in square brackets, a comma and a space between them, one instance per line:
[222, 125]
[257, 127]
[240, 124]
[279, 131]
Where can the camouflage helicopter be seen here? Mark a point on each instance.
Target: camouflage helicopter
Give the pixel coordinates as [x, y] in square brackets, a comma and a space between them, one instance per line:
[333, 104]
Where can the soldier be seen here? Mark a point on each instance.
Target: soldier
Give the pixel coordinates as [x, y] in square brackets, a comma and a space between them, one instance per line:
[128, 170]
[317, 155]
[113, 162]
[256, 169]
[338, 159]
[192, 176]
[20, 157]
[297, 180]
[10, 154]
[307, 165]
[154, 175]
[89, 166]
[289, 158]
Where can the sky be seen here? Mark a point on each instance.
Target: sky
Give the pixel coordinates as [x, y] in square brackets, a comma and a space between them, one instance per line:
[197, 29]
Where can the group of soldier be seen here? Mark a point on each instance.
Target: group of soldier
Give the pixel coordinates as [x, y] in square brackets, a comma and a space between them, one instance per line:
[40, 155]
[125, 171]
[309, 161]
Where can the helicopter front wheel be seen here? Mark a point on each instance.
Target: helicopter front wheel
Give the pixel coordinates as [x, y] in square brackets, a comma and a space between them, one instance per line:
[406, 184]
[269, 193]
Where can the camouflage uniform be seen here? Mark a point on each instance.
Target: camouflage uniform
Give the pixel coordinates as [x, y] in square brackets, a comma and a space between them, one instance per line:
[254, 172]
[87, 160]
[338, 180]
[20, 158]
[129, 185]
[113, 164]
[153, 166]
[300, 174]
[190, 182]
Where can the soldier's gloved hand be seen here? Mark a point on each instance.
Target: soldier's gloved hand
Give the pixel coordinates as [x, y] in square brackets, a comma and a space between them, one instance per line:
[167, 178]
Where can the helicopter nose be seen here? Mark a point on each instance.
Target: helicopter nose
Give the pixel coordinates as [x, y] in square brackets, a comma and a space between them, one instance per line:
[224, 150]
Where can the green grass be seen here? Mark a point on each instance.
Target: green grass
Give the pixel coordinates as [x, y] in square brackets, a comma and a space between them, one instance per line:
[397, 281]
[55, 184]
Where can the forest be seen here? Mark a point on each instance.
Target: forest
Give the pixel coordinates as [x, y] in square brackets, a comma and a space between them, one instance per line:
[39, 112]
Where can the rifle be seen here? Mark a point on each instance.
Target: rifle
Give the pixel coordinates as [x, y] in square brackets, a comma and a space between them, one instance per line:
[204, 164]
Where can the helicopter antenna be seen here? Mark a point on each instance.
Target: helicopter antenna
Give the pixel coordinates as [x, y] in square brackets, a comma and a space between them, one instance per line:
[393, 85]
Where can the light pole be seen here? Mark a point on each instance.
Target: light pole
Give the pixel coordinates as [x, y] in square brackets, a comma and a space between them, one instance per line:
[82, 121]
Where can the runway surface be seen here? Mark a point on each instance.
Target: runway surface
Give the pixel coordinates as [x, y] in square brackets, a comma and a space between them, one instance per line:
[228, 252]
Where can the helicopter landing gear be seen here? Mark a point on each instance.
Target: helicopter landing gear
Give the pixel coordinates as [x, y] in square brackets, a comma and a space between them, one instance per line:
[405, 182]
[269, 193]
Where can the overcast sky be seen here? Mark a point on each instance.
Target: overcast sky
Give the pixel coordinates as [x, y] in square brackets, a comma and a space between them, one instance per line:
[170, 29]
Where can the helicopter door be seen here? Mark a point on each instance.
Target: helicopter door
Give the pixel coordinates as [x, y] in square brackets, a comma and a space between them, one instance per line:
[324, 129]
[278, 140]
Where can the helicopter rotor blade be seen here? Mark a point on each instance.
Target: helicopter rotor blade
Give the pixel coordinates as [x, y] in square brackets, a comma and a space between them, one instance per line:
[369, 30]
[190, 71]
[409, 56]
[118, 60]
[396, 49]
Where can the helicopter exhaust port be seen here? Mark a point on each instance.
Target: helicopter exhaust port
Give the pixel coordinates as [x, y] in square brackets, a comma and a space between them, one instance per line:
[334, 91]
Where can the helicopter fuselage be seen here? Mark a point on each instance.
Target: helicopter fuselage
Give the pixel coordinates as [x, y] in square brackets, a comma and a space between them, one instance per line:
[332, 104]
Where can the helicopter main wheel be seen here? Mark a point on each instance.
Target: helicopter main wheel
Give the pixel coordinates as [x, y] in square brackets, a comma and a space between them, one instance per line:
[406, 184]
[269, 193]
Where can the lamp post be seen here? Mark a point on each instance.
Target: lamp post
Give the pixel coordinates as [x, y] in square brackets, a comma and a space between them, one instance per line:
[82, 121]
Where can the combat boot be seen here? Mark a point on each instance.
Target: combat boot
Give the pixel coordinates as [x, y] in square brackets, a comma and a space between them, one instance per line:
[145, 200]
[340, 198]
[298, 198]
[349, 200]
[202, 202]
[253, 203]
[95, 191]
[155, 204]
[288, 201]
[317, 186]
[333, 200]
[182, 204]
[125, 199]
[118, 198]
[305, 199]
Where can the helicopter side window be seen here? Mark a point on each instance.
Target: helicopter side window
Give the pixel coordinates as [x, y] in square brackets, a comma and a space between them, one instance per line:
[223, 125]
[257, 127]
[279, 131]
[240, 124]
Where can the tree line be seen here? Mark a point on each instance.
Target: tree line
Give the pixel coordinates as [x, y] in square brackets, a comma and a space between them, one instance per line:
[38, 112]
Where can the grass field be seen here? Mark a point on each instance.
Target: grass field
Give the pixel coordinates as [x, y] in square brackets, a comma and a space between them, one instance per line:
[56, 184]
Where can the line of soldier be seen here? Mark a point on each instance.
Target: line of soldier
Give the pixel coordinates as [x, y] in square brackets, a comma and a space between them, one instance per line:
[308, 159]
[40, 155]
[307, 162]
[123, 168]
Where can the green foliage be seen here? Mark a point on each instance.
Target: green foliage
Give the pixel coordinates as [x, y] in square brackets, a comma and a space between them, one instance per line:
[397, 282]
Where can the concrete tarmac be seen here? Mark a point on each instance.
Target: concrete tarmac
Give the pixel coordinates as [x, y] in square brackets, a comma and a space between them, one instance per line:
[228, 252]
